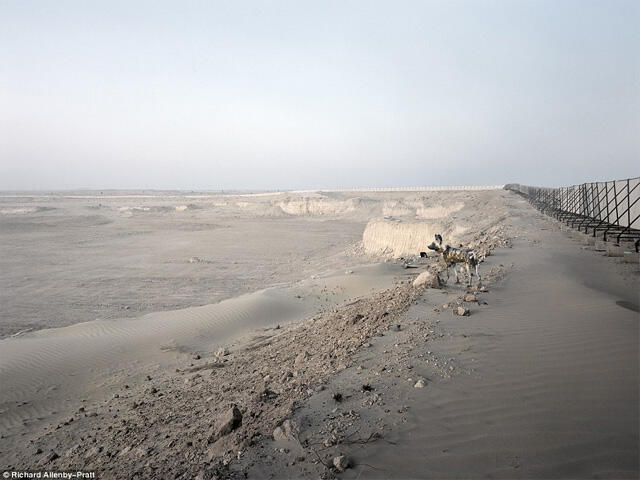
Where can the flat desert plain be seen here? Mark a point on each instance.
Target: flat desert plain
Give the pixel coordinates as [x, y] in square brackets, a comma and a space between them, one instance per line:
[280, 335]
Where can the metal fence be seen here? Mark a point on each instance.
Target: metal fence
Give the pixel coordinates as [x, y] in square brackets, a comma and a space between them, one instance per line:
[610, 209]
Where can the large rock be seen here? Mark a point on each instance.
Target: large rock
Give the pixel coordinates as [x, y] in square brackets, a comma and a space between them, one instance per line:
[226, 423]
[428, 279]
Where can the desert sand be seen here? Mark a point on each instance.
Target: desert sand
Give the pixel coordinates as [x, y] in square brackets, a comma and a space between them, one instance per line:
[280, 336]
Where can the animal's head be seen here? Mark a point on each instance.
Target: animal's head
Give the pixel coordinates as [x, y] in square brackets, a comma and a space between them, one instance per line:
[437, 244]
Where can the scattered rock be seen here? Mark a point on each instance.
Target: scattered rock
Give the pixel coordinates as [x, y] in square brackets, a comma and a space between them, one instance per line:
[420, 384]
[50, 457]
[470, 298]
[93, 451]
[226, 423]
[287, 431]
[222, 352]
[124, 451]
[72, 451]
[142, 451]
[428, 279]
[301, 358]
[462, 312]
[337, 397]
[341, 463]
[367, 388]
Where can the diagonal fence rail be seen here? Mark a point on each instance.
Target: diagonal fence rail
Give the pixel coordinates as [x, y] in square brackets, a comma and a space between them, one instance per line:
[608, 209]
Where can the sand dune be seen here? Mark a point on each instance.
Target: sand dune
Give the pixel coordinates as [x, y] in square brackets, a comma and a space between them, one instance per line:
[56, 368]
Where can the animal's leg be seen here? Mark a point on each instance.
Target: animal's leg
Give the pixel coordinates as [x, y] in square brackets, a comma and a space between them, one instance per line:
[478, 275]
[455, 269]
[468, 272]
[446, 267]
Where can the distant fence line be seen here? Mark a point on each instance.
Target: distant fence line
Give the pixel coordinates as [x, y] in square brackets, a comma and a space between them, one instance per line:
[611, 208]
[407, 189]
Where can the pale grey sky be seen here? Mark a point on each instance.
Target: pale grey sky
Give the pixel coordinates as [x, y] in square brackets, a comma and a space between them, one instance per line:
[322, 94]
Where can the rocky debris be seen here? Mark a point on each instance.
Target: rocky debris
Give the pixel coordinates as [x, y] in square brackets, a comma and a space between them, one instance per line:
[124, 451]
[50, 457]
[470, 298]
[226, 423]
[420, 384]
[92, 452]
[287, 431]
[341, 462]
[462, 312]
[264, 380]
[428, 279]
[72, 451]
[142, 452]
[222, 352]
[302, 358]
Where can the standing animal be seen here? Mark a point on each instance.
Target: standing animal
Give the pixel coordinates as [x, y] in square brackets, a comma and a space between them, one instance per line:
[452, 255]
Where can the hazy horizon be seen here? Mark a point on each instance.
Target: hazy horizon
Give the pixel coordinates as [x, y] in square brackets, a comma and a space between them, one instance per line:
[263, 95]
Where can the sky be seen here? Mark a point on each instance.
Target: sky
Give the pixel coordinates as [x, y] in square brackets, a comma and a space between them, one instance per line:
[207, 95]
